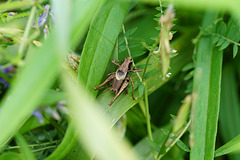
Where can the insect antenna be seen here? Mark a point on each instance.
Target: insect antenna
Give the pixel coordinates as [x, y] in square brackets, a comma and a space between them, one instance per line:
[127, 47]
[105, 37]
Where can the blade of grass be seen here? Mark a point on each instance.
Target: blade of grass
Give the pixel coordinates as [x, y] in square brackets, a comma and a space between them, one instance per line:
[18, 5]
[232, 146]
[98, 46]
[10, 155]
[79, 25]
[26, 32]
[33, 80]
[206, 95]
[213, 4]
[95, 32]
[25, 150]
[229, 112]
[105, 144]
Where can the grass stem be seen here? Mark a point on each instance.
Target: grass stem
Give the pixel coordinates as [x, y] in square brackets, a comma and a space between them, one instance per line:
[129, 52]
[26, 32]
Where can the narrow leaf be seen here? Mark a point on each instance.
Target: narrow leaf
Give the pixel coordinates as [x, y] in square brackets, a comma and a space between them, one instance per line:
[101, 32]
[138, 53]
[235, 50]
[153, 145]
[140, 89]
[10, 156]
[220, 42]
[130, 32]
[224, 45]
[182, 115]
[206, 96]
[183, 146]
[100, 43]
[229, 109]
[230, 147]
[25, 150]
[85, 110]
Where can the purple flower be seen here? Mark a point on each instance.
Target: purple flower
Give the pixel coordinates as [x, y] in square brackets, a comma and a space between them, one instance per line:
[6, 85]
[38, 115]
[45, 31]
[42, 19]
[10, 69]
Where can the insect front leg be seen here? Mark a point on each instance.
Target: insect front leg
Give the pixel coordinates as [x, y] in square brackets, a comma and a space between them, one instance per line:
[108, 80]
[135, 70]
[132, 88]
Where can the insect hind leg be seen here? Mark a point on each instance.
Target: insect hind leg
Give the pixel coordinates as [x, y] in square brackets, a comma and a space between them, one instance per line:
[107, 81]
[132, 87]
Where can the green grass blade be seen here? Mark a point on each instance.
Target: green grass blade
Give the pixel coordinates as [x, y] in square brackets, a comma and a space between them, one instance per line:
[100, 42]
[206, 94]
[230, 147]
[17, 5]
[99, 140]
[32, 81]
[10, 156]
[27, 90]
[25, 150]
[81, 18]
[229, 111]
[214, 4]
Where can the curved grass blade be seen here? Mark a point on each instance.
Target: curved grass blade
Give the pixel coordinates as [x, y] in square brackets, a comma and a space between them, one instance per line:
[230, 147]
[18, 4]
[33, 80]
[94, 33]
[229, 113]
[95, 134]
[206, 95]
[25, 150]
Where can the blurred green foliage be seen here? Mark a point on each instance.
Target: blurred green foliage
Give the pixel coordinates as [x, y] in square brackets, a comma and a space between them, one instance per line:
[187, 104]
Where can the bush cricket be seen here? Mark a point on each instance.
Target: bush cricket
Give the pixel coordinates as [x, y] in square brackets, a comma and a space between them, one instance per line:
[120, 79]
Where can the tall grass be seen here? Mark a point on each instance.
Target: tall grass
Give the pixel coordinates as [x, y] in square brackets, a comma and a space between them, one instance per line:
[186, 97]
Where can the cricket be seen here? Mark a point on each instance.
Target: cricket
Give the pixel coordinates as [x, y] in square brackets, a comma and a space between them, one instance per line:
[119, 80]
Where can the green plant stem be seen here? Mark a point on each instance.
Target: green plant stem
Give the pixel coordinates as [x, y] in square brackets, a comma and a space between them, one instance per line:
[174, 141]
[149, 56]
[147, 113]
[149, 130]
[146, 64]
[35, 145]
[142, 107]
[223, 37]
[18, 4]
[129, 52]
[26, 32]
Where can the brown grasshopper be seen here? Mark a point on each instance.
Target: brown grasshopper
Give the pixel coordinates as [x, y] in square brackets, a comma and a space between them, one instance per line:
[120, 78]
